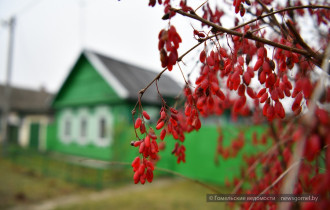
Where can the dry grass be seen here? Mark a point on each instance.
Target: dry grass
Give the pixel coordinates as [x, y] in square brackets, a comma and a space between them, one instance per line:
[20, 185]
[175, 195]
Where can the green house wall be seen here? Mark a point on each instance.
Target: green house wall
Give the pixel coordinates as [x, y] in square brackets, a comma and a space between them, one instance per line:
[202, 163]
[201, 146]
[119, 134]
[86, 89]
[85, 86]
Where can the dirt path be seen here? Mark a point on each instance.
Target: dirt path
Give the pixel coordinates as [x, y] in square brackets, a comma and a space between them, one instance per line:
[95, 196]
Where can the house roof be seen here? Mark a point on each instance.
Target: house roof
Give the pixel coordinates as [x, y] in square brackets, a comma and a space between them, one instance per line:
[128, 79]
[26, 100]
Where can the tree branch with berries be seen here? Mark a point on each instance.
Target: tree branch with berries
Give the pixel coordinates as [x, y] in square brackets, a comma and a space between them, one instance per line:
[263, 68]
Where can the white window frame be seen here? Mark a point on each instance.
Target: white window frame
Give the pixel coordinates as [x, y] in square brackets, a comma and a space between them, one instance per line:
[83, 114]
[103, 112]
[67, 116]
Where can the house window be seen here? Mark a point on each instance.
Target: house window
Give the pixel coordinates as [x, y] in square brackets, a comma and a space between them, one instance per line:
[83, 128]
[83, 123]
[102, 128]
[67, 128]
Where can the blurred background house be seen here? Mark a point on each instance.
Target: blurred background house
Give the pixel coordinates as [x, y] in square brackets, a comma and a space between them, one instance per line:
[93, 106]
[28, 117]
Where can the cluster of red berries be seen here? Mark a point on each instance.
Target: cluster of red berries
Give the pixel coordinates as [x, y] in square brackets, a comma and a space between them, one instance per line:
[152, 3]
[238, 4]
[191, 112]
[232, 150]
[176, 126]
[142, 170]
[245, 68]
[284, 58]
[207, 93]
[179, 152]
[213, 16]
[148, 148]
[168, 45]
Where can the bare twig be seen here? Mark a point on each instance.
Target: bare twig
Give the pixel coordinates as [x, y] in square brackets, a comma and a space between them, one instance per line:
[141, 92]
[201, 5]
[268, 154]
[277, 140]
[183, 74]
[278, 179]
[273, 19]
[301, 41]
[282, 10]
[307, 119]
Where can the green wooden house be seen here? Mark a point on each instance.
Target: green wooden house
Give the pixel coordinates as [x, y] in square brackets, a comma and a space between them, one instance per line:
[93, 120]
[93, 106]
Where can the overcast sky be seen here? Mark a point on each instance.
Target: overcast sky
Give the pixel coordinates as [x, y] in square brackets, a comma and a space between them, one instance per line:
[49, 34]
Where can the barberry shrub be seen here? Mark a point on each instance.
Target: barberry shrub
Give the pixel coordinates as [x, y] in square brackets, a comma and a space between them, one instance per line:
[272, 66]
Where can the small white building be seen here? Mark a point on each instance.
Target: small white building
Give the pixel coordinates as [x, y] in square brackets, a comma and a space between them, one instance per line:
[28, 117]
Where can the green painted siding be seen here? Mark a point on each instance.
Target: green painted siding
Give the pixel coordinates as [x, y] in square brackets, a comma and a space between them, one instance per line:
[201, 150]
[81, 96]
[120, 132]
[73, 144]
[84, 86]
[86, 90]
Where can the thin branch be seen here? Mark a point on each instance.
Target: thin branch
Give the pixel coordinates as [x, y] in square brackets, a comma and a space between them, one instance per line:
[270, 23]
[273, 19]
[268, 153]
[247, 35]
[277, 140]
[307, 119]
[183, 74]
[141, 92]
[277, 180]
[283, 10]
[201, 5]
[301, 41]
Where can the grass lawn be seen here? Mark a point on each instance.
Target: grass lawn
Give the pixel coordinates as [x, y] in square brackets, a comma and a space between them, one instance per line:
[19, 185]
[177, 194]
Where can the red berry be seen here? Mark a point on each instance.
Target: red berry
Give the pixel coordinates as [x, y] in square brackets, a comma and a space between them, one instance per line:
[146, 115]
[147, 141]
[162, 134]
[202, 56]
[279, 109]
[258, 64]
[138, 122]
[261, 92]
[136, 161]
[162, 115]
[250, 92]
[246, 78]
[160, 125]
